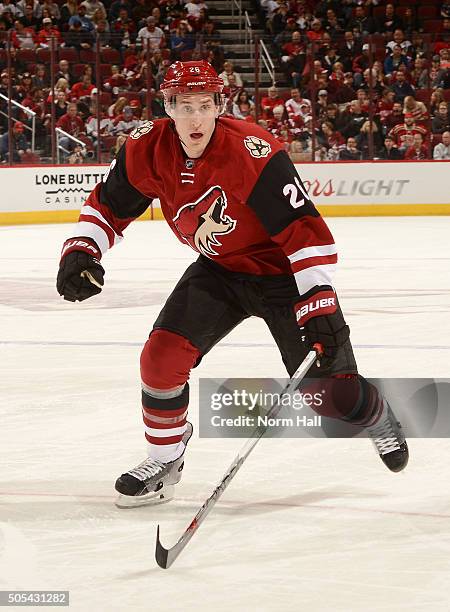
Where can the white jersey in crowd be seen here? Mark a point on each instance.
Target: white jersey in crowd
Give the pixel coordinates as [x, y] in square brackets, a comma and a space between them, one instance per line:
[441, 151]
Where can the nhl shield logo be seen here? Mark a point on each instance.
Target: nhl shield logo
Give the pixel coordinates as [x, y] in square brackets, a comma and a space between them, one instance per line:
[141, 130]
[257, 146]
[201, 222]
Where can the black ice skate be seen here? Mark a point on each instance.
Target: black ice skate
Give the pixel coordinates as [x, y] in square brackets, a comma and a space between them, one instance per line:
[152, 481]
[389, 440]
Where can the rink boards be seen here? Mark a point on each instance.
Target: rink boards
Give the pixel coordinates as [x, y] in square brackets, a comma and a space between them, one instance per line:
[55, 194]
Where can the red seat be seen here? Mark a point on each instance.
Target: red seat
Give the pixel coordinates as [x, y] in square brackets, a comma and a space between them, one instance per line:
[87, 56]
[110, 56]
[105, 98]
[105, 70]
[186, 55]
[43, 56]
[432, 25]
[26, 55]
[447, 95]
[68, 53]
[428, 12]
[78, 70]
[165, 53]
[423, 95]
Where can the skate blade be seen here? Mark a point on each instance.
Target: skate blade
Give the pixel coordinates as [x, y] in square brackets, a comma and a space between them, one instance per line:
[151, 499]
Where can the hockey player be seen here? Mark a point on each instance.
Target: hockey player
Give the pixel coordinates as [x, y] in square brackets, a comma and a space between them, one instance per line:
[229, 191]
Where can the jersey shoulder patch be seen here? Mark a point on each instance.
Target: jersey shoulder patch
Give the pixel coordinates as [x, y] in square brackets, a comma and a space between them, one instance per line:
[143, 129]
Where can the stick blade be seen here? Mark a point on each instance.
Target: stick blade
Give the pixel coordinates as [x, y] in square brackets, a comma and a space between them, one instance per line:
[161, 553]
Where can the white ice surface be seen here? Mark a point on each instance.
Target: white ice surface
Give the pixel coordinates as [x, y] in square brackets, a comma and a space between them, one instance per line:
[310, 525]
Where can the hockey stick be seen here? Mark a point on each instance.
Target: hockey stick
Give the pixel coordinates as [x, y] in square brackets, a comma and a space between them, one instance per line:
[166, 556]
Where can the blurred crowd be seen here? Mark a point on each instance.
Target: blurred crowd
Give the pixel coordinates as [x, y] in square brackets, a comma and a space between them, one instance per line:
[362, 79]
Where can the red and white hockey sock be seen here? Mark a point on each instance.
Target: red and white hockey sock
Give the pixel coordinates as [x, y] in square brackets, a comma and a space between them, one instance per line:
[164, 413]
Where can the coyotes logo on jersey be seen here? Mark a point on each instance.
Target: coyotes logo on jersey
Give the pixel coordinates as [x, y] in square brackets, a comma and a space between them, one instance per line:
[201, 222]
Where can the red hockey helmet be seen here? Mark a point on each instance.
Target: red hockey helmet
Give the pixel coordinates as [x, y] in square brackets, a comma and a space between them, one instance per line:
[191, 77]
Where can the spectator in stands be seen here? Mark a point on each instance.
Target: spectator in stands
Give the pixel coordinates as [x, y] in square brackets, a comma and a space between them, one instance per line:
[22, 37]
[437, 96]
[64, 71]
[363, 139]
[19, 143]
[92, 6]
[120, 141]
[417, 109]
[297, 106]
[362, 23]
[77, 37]
[442, 150]
[360, 63]
[194, 7]
[396, 59]
[418, 151]
[270, 101]
[350, 152]
[401, 87]
[390, 151]
[29, 19]
[181, 40]
[60, 104]
[349, 49]
[352, 120]
[8, 6]
[419, 73]
[329, 138]
[72, 124]
[389, 22]
[333, 25]
[106, 126]
[151, 35]
[228, 70]
[316, 32]
[103, 34]
[398, 38]
[330, 59]
[68, 10]
[116, 7]
[126, 122]
[83, 87]
[40, 79]
[23, 90]
[86, 23]
[395, 117]
[400, 131]
[48, 33]
[441, 122]
[293, 58]
[53, 10]
[124, 35]
[322, 102]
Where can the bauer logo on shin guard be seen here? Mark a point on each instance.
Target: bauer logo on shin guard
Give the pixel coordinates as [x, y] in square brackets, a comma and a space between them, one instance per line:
[322, 303]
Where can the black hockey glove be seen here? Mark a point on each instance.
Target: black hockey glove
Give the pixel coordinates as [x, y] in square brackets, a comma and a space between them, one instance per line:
[321, 320]
[80, 274]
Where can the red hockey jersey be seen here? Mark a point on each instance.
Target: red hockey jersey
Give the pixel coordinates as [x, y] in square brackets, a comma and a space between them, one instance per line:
[241, 203]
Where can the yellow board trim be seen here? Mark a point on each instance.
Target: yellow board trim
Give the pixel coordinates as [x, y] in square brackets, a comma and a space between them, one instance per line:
[345, 210]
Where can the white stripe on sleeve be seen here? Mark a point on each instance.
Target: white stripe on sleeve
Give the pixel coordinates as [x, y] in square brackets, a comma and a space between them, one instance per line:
[89, 210]
[313, 251]
[316, 275]
[91, 230]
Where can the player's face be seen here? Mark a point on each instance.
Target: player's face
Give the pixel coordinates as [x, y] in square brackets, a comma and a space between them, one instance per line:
[195, 119]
